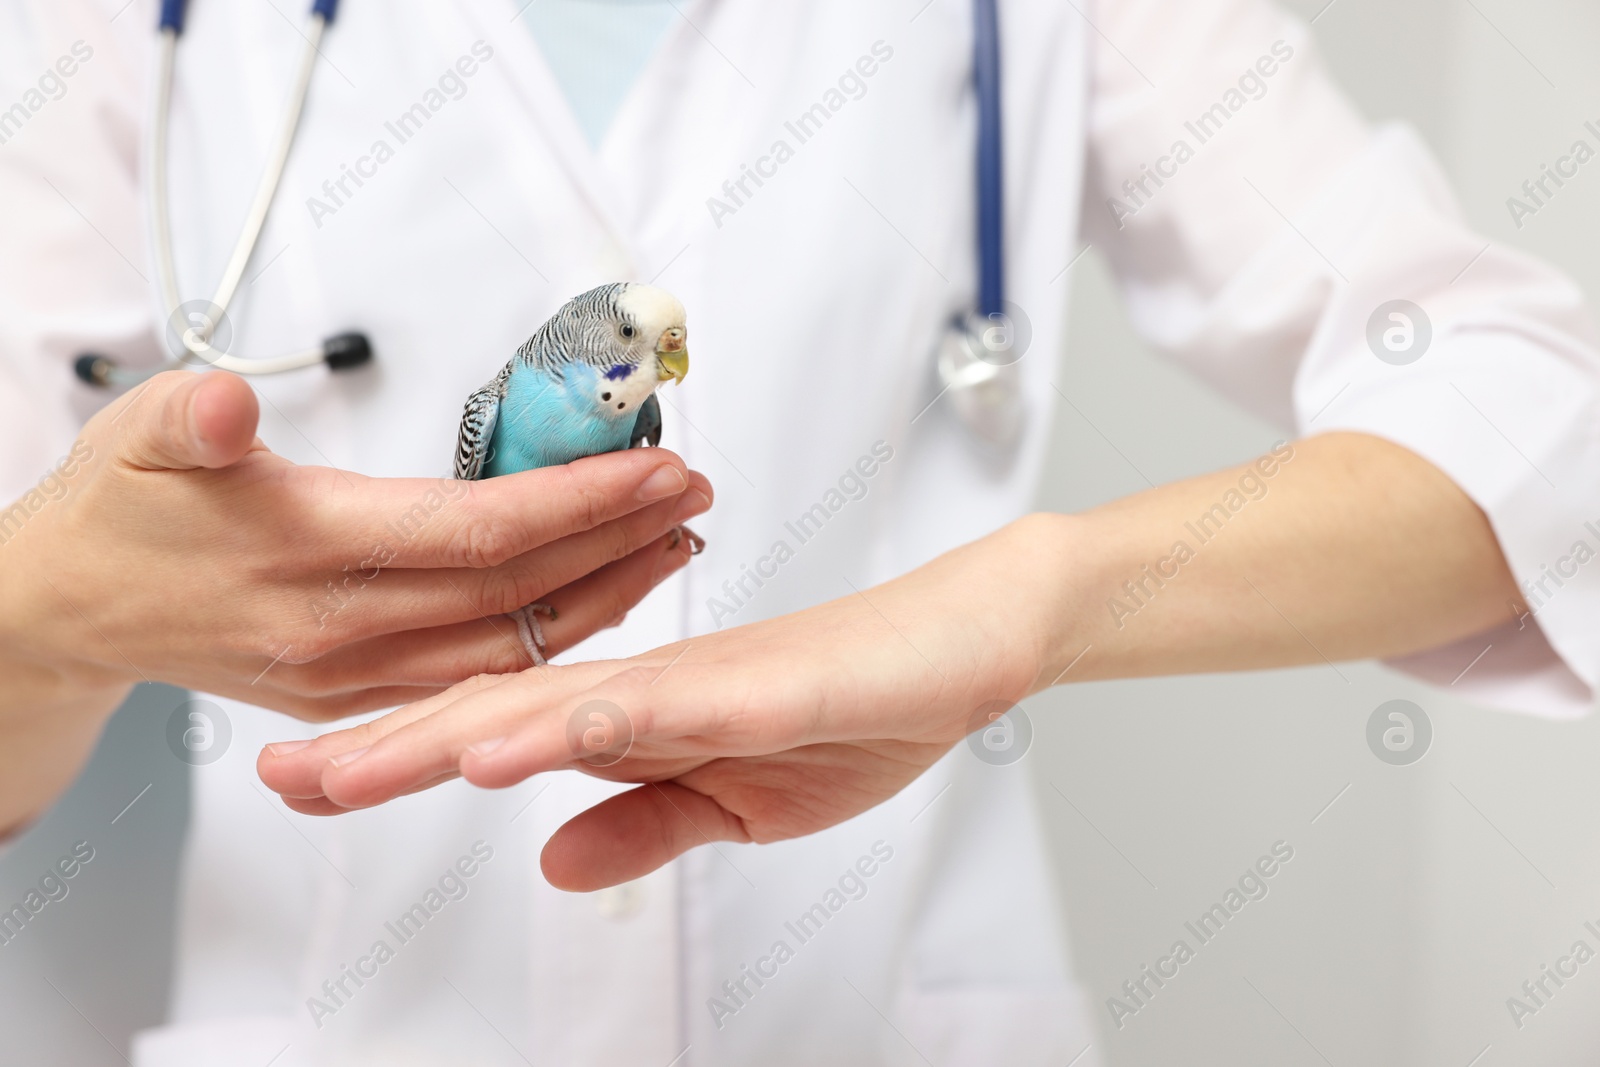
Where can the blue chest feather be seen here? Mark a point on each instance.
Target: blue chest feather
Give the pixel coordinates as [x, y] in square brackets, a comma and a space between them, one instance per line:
[545, 421]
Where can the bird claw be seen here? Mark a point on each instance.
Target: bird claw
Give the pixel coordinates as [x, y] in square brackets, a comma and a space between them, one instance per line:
[697, 544]
[532, 634]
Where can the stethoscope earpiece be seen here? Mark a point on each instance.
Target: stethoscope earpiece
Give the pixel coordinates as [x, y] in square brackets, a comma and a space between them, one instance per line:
[346, 350]
[94, 369]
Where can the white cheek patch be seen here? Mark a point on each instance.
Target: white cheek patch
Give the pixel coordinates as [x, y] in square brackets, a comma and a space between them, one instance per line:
[623, 395]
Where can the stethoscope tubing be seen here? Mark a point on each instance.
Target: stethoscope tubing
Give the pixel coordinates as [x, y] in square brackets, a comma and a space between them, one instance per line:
[990, 158]
[353, 349]
[339, 352]
[266, 188]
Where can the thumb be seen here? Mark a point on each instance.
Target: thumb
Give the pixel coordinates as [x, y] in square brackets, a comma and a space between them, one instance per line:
[182, 420]
[631, 834]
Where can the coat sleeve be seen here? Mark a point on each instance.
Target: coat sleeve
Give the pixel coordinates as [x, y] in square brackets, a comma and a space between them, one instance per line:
[1260, 230]
[73, 259]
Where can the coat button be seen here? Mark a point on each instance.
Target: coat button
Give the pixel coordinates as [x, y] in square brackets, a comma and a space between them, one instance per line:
[621, 902]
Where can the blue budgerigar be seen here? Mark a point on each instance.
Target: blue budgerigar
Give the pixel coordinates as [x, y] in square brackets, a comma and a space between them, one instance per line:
[583, 384]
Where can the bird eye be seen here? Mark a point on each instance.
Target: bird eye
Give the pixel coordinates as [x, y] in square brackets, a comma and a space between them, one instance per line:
[627, 330]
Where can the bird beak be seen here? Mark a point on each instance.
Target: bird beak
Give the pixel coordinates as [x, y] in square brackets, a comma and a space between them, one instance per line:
[672, 357]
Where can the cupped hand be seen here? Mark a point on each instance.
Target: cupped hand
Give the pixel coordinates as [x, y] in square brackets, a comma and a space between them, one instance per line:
[759, 733]
[176, 547]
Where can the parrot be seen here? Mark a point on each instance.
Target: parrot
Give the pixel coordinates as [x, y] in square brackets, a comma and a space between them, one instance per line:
[584, 384]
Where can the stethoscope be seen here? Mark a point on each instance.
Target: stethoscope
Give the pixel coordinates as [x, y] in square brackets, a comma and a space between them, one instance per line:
[978, 350]
[194, 325]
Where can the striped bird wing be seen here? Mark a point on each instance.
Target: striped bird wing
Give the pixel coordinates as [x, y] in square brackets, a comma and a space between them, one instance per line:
[477, 428]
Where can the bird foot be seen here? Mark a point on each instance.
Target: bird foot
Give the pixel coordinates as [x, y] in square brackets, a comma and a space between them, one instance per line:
[529, 630]
[697, 544]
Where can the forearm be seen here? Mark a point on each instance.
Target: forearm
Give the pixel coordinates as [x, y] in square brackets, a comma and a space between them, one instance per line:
[53, 703]
[1339, 547]
[48, 728]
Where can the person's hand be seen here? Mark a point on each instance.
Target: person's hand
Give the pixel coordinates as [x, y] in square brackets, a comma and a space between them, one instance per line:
[789, 726]
[759, 733]
[173, 546]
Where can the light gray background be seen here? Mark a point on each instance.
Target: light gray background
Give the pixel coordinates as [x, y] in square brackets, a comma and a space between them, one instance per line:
[1407, 917]
[1415, 904]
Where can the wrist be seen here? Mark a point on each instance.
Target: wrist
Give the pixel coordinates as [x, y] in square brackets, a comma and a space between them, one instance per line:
[52, 707]
[37, 677]
[1016, 597]
[1047, 555]
[48, 727]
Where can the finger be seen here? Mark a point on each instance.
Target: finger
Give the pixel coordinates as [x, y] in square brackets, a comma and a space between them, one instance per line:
[181, 420]
[700, 713]
[634, 833]
[438, 656]
[323, 806]
[444, 655]
[449, 523]
[313, 806]
[434, 744]
[375, 601]
[534, 575]
[326, 709]
[294, 768]
[602, 599]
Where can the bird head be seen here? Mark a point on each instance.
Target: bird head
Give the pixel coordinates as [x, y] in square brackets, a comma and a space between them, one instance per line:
[651, 323]
[631, 337]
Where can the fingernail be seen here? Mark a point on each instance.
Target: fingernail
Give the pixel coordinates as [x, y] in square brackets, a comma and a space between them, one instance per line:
[283, 748]
[483, 748]
[666, 481]
[349, 757]
[692, 503]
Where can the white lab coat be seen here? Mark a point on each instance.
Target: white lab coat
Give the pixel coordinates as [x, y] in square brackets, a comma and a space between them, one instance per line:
[814, 309]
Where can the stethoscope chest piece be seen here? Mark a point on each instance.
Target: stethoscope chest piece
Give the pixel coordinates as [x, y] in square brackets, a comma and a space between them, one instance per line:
[976, 362]
[977, 369]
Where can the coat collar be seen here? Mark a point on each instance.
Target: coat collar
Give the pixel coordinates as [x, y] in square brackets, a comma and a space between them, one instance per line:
[534, 86]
